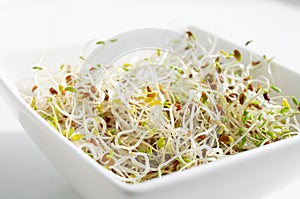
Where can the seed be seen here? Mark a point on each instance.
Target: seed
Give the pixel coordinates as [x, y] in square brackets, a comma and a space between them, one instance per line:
[254, 63]
[105, 158]
[248, 124]
[111, 162]
[228, 99]
[258, 106]
[266, 96]
[73, 123]
[93, 89]
[213, 86]
[204, 97]
[233, 95]
[209, 78]
[204, 151]
[248, 42]
[106, 96]
[188, 47]
[178, 106]
[92, 68]
[34, 88]
[220, 109]
[85, 95]
[63, 92]
[68, 79]
[93, 142]
[53, 91]
[209, 120]
[224, 139]
[219, 70]
[250, 87]
[175, 165]
[221, 78]
[152, 94]
[202, 137]
[242, 98]
[190, 35]
[248, 78]
[188, 133]
[237, 55]
[205, 65]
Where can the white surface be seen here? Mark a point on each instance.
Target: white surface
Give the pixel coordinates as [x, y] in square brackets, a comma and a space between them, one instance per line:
[26, 173]
[274, 25]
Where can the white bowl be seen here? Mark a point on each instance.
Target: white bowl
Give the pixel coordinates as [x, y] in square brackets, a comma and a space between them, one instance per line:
[250, 174]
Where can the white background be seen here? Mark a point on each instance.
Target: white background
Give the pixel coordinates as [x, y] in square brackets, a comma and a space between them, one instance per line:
[32, 24]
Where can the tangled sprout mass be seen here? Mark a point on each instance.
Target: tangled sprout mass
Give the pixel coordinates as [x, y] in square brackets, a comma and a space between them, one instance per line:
[157, 111]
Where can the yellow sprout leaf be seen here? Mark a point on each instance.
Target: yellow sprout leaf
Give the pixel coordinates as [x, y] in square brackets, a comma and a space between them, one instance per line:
[231, 140]
[153, 103]
[33, 101]
[71, 131]
[285, 103]
[77, 137]
[99, 107]
[95, 132]
[126, 65]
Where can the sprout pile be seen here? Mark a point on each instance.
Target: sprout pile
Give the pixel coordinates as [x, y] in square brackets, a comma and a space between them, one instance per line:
[157, 111]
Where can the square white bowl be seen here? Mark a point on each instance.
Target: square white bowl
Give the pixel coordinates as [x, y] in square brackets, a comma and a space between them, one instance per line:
[250, 174]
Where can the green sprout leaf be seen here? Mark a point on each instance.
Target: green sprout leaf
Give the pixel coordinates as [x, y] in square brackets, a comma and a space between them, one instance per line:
[62, 67]
[161, 143]
[260, 117]
[200, 57]
[244, 139]
[37, 68]
[113, 40]
[110, 155]
[82, 58]
[246, 116]
[295, 101]
[275, 88]
[284, 110]
[271, 134]
[149, 150]
[52, 124]
[100, 42]
[71, 89]
[60, 87]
